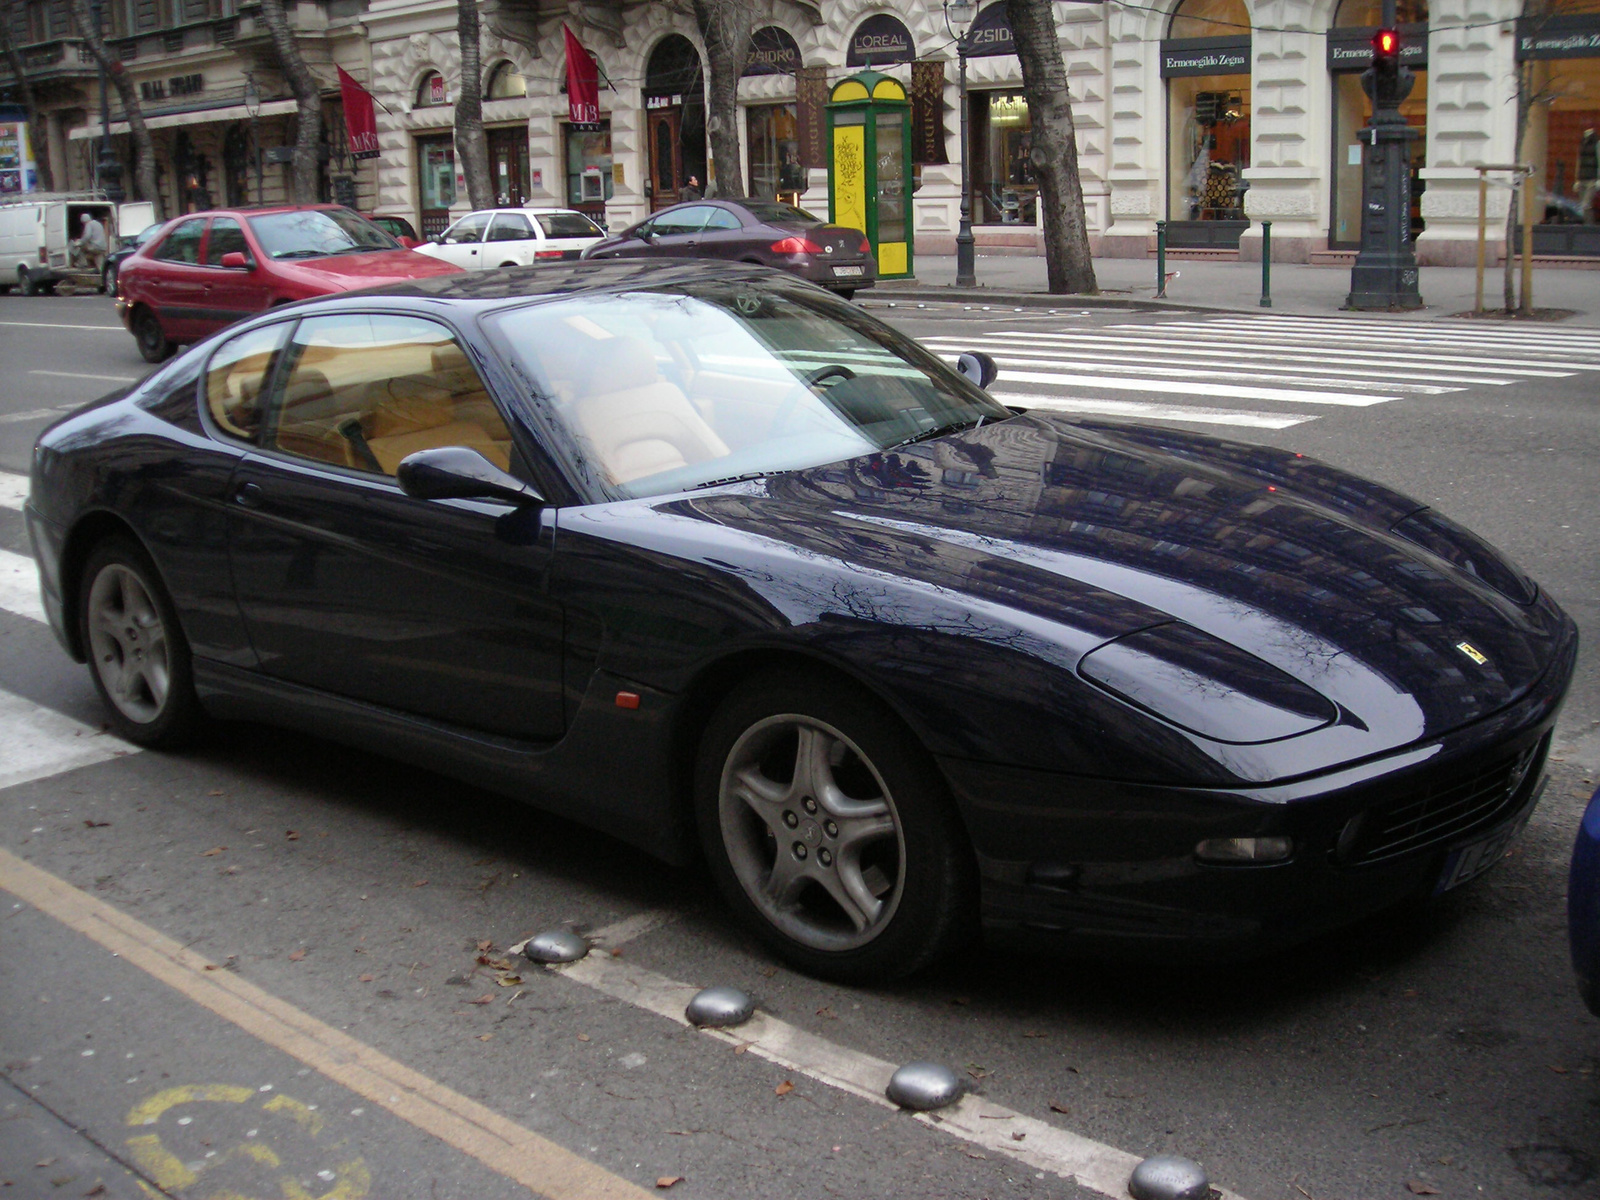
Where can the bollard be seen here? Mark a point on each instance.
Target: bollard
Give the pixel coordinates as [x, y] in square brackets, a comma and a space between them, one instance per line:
[1266, 264]
[1161, 260]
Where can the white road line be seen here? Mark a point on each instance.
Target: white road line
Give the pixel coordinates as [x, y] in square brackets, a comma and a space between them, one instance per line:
[13, 490]
[1364, 343]
[1155, 338]
[101, 378]
[1346, 399]
[33, 414]
[58, 325]
[1045, 1147]
[19, 586]
[1542, 337]
[40, 742]
[1154, 412]
[1132, 350]
[1076, 363]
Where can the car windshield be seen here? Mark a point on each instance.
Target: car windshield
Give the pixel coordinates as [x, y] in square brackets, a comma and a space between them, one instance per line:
[781, 214]
[658, 391]
[567, 224]
[318, 232]
[148, 232]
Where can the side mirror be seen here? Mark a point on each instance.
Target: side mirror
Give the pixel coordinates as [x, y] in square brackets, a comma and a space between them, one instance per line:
[457, 473]
[236, 260]
[644, 235]
[978, 367]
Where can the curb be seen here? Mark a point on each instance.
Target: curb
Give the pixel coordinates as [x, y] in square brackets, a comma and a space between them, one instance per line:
[939, 293]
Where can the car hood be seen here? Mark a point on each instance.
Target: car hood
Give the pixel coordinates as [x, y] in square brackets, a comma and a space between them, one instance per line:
[341, 272]
[1102, 530]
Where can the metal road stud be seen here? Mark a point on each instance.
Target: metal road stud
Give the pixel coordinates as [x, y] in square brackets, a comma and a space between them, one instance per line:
[1168, 1177]
[556, 946]
[922, 1086]
[718, 1007]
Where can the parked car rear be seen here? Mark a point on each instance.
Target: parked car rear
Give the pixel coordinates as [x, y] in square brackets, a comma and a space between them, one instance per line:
[754, 231]
[513, 237]
[209, 269]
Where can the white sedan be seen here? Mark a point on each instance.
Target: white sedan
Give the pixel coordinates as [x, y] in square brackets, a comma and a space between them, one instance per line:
[513, 237]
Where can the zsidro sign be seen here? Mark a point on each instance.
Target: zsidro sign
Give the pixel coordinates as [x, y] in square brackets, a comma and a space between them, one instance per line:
[1575, 36]
[1205, 56]
[1350, 49]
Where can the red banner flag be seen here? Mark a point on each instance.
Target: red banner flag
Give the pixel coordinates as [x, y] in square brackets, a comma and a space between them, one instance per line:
[360, 121]
[583, 86]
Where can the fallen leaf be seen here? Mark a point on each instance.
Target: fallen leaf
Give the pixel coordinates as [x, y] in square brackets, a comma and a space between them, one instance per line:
[975, 1154]
[784, 1088]
[98, 1189]
[978, 1072]
[741, 1047]
[768, 972]
[365, 978]
[508, 980]
[486, 998]
[95, 825]
[484, 1037]
[485, 946]
[1417, 1188]
[616, 952]
[420, 883]
[583, 1037]
[291, 835]
[1558, 1070]
[667, 1181]
[1060, 1108]
[296, 955]
[229, 871]
[1017, 1137]
[216, 792]
[825, 1011]
[44, 1162]
[213, 851]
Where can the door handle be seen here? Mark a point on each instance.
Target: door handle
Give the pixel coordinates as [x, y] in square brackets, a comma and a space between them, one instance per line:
[248, 495]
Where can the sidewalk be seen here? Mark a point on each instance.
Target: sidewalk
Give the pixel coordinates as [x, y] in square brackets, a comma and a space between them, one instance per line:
[1236, 286]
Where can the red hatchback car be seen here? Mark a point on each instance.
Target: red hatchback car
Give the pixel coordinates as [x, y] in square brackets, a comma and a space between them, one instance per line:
[210, 269]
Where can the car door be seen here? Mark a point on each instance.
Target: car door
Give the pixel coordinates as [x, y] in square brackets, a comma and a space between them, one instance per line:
[348, 585]
[231, 293]
[512, 241]
[175, 282]
[723, 235]
[678, 230]
[462, 242]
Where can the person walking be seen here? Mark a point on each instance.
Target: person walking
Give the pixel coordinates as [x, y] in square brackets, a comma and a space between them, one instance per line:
[691, 190]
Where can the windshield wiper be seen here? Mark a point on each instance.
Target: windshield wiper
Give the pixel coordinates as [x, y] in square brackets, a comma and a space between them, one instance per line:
[733, 479]
[938, 431]
[299, 254]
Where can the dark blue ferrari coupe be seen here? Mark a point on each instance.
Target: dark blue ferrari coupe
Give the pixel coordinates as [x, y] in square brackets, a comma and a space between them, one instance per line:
[708, 559]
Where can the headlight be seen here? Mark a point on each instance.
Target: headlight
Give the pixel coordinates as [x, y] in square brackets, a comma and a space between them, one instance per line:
[1203, 684]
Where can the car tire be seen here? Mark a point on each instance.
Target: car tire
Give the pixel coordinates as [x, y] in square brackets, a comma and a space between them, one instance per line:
[830, 832]
[108, 282]
[26, 283]
[154, 345]
[137, 654]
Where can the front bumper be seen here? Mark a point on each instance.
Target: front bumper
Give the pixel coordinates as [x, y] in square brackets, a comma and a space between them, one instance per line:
[1088, 864]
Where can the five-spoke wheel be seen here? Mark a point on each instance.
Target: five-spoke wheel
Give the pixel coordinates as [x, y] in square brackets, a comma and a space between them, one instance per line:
[830, 830]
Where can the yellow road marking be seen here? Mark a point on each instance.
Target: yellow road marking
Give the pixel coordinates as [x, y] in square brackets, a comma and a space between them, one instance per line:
[519, 1154]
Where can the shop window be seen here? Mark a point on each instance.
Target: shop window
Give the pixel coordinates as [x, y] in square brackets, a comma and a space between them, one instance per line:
[774, 150]
[1003, 188]
[431, 92]
[1563, 144]
[1210, 147]
[436, 183]
[1208, 19]
[588, 167]
[505, 83]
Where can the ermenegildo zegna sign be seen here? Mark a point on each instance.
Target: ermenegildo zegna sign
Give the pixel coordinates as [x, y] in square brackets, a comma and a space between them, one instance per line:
[1572, 36]
[1205, 56]
[1350, 49]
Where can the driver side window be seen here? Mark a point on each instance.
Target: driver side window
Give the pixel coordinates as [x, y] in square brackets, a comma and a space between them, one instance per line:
[468, 229]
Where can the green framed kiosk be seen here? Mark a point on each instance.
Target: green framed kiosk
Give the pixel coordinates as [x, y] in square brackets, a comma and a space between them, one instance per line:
[869, 166]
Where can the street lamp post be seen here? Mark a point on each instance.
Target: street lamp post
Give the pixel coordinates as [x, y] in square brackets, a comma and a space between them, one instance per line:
[108, 170]
[958, 18]
[252, 106]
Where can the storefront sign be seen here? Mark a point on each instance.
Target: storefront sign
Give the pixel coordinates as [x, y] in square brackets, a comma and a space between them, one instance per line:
[1350, 49]
[773, 51]
[878, 40]
[17, 172]
[583, 86]
[1574, 36]
[990, 34]
[811, 106]
[1205, 56]
[178, 85]
[360, 121]
[927, 114]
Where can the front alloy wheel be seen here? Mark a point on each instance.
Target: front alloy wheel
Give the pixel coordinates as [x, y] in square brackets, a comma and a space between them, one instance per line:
[830, 831]
[152, 340]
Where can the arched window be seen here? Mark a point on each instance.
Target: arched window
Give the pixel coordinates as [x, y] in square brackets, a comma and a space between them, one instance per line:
[505, 83]
[431, 91]
[1367, 14]
[1209, 18]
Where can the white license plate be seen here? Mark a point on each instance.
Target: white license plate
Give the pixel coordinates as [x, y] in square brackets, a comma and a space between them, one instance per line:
[847, 272]
[1468, 862]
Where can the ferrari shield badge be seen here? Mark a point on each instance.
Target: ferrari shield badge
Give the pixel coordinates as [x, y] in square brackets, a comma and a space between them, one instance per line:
[1472, 652]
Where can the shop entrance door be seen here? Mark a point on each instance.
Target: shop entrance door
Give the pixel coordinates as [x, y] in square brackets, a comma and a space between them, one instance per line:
[666, 156]
[436, 183]
[508, 166]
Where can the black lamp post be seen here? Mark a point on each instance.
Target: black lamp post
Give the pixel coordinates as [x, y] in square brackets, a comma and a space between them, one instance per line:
[1385, 271]
[252, 106]
[108, 169]
[958, 18]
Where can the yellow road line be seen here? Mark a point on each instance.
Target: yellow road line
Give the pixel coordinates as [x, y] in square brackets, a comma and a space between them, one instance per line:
[519, 1154]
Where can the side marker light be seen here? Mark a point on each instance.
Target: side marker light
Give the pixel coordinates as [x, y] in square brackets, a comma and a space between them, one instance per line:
[627, 699]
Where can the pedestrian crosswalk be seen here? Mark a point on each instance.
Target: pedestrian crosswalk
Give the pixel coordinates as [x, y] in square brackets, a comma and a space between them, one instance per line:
[1279, 368]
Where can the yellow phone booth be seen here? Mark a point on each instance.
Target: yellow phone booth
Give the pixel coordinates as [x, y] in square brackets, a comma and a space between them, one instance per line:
[869, 166]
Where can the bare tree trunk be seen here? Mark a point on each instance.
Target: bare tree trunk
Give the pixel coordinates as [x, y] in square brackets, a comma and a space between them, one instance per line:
[1055, 146]
[1524, 107]
[308, 102]
[472, 146]
[725, 28]
[20, 71]
[144, 176]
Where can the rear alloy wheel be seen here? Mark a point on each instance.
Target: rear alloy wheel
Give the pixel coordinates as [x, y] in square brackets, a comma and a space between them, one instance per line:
[830, 831]
[136, 649]
[153, 344]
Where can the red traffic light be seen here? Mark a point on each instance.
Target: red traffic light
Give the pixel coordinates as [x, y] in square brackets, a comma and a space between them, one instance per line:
[1386, 43]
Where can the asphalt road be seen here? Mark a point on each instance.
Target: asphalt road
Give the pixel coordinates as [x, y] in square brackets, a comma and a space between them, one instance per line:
[180, 1005]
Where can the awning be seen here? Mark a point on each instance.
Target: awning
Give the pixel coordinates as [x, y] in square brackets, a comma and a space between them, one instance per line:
[233, 112]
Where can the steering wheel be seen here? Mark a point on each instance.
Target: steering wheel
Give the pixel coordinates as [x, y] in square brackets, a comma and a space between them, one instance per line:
[782, 419]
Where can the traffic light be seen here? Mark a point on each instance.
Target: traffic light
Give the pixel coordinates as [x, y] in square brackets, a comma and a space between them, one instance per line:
[1387, 82]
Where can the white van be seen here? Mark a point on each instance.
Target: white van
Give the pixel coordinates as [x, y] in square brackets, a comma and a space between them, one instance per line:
[35, 230]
